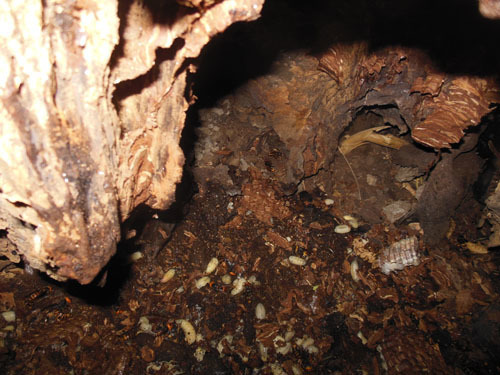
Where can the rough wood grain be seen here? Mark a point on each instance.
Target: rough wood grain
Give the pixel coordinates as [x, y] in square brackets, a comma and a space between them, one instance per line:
[438, 107]
[92, 105]
[490, 8]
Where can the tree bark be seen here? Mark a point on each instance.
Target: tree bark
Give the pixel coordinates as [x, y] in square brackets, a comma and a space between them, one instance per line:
[92, 106]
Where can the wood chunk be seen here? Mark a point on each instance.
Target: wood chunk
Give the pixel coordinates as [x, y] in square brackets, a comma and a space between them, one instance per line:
[92, 106]
[460, 104]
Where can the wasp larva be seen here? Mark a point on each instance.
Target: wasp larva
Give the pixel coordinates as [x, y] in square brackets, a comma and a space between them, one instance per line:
[239, 285]
[168, 275]
[212, 265]
[297, 260]
[260, 311]
[188, 329]
[342, 228]
[201, 282]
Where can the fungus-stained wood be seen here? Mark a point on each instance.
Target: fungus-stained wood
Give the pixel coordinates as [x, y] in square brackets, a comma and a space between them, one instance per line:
[152, 119]
[438, 107]
[92, 107]
[341, 60]
[58, 201]
[461, 103]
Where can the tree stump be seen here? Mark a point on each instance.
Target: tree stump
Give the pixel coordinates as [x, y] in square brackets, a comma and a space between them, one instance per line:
[92, 106]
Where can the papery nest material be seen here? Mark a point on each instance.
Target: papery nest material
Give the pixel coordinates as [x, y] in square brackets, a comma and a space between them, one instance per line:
[371, 136]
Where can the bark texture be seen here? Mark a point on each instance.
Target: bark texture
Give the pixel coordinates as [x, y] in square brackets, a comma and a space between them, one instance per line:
[92, 105]
[436, 107]
[490, 8]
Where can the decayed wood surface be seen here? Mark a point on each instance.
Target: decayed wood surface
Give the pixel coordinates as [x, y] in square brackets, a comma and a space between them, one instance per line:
[92, 105]
[490, 8]
[437, 107]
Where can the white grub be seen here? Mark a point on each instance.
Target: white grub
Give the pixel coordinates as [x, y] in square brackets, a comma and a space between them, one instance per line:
[399, 255]
[144, 325]
[304, 341]
[188, 329]
[260, 311]
[354, 270]
[201, 282]
[312, 349]
[289, 335]
[296, 370]
[9, 316]
[383, 362]
[342, 228]
[296, 260]
[199, 353]
[281, 346]
[328, 201]
[263, 352]
[353, 222]
[239, 285]
[211, 266]
[276, 369]
[307, 343]
[169, 275]
[171, 367]
[226, 279]
[362, 337]
[135, 256]
[153, 366]
[253, 280]
[220, 346]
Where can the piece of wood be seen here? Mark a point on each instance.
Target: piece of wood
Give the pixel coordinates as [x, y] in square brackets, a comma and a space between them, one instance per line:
[371, 136]
[92, 105]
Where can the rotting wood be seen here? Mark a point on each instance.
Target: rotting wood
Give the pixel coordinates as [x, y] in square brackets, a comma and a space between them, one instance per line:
[92, 104]
[460, 103]
[437, 107]
[490, 8]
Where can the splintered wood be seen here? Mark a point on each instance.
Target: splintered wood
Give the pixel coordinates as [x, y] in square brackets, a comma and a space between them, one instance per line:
[438, 107]
[92, 108]
[460, 103]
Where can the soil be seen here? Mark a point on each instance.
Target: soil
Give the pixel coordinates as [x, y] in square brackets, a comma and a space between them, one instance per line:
[321, 315]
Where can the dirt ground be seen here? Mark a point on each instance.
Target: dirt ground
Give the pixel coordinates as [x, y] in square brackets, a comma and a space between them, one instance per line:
[287, 295]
